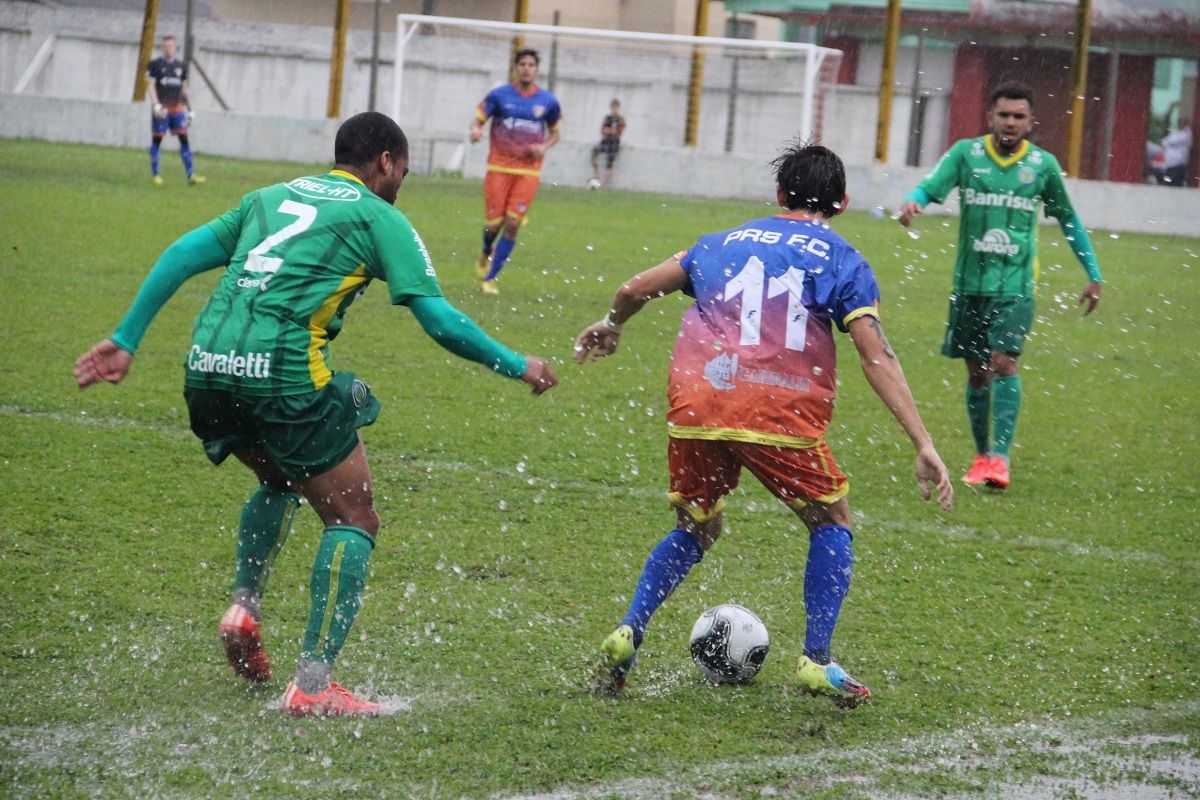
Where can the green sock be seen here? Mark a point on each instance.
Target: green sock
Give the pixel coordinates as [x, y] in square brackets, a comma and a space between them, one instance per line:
[1006, 405]
[338, 578]
[979, 411]
[266, 522]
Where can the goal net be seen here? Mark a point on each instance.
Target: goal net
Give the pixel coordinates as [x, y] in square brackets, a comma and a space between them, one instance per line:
[739, 96]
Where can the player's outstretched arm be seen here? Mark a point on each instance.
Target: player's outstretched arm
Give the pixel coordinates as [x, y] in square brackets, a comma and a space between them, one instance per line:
[883, 372]
[600, 339]
[456, 332]
[103, 362]
[195, 252]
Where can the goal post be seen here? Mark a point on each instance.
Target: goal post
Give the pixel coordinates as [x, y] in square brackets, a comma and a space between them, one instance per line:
[753, 95]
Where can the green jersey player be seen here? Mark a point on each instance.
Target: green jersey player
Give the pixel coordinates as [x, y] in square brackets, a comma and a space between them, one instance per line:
[259, 385]
[1003, 181]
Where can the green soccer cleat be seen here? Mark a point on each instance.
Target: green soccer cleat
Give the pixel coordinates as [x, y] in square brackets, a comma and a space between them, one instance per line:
[831, 681]
[616, 658]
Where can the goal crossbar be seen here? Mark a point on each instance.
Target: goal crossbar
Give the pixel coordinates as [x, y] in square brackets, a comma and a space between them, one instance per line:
[813, 55]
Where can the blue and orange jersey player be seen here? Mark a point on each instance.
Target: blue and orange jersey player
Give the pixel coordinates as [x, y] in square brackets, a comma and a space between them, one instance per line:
[752, 386]
[171, 108]
[525, 124]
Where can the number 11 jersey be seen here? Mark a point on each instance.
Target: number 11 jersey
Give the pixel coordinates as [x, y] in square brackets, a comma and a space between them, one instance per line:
[755, 359]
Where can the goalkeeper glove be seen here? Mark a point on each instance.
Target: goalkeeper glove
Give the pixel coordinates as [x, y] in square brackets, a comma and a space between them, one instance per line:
[191, 115]
[158, 111]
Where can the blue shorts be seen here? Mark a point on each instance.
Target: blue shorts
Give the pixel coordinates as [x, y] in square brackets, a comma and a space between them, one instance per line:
[174, 121]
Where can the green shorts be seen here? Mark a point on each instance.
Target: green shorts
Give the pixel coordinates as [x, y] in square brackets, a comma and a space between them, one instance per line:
[305, 434]
[978, 325]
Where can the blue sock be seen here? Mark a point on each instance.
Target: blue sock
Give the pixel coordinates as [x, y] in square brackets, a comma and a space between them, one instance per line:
[503, 248]
[668, 564]
[154, 148]
[489, 237]
[826, 581]
[185, 153]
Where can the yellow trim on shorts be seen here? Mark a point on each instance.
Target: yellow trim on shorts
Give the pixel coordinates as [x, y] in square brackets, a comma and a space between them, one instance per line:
[827, 499]
[514, 170]
[695, 510]
[318, 325]
[737, 435]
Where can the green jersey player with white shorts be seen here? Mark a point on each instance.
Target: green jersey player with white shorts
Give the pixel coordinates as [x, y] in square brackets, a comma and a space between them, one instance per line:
[1003, 182]
[259, 384]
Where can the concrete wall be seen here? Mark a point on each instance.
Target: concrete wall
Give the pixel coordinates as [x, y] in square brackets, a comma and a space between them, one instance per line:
[1150, 209]
[278, 70]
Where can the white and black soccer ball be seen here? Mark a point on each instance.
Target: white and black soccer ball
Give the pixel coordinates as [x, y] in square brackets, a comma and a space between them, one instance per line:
[594, 183]
[729, 644]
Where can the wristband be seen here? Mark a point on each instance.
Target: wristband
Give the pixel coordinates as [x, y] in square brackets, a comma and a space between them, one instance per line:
[610, 326]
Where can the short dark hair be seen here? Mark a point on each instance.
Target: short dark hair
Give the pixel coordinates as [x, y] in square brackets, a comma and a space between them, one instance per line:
[812, 178]
[1012, 90]
[363, 137]
[527, 51]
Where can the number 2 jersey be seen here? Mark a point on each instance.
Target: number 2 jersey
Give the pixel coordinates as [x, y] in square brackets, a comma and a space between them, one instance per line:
[302, 252]
[755, 359]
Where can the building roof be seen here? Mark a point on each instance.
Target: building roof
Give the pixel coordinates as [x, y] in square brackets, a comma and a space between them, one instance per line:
[1175, 20]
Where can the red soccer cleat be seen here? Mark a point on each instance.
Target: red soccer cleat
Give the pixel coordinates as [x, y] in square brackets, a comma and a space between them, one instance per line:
[335, 701]
[981, 469]
[242, 636]
[997, 476]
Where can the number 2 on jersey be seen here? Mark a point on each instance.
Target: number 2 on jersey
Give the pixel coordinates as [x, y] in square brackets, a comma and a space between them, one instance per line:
[257, 259]
[749, 284]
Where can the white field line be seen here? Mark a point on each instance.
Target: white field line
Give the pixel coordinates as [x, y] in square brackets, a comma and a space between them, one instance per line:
[1074, 759]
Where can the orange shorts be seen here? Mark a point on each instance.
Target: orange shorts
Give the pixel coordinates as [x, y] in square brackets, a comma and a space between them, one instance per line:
[507, 194]
[703, 471]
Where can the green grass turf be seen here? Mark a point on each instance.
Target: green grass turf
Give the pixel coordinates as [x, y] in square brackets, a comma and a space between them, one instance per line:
[514, 528]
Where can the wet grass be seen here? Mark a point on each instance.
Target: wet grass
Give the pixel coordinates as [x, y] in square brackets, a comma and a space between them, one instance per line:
[1006, 641]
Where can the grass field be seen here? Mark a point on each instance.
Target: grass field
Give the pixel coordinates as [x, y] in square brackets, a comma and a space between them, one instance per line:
[1043, 642]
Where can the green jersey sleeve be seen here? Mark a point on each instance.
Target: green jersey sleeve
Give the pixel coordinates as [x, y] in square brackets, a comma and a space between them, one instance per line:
[402, 259]
[1054, 193]
[228, 227]
[945, 173]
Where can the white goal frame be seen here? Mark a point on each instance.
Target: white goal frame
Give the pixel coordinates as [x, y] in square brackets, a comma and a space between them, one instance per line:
[814, 55]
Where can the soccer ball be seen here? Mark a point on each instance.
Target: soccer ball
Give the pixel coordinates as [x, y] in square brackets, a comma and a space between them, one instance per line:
[729, 644]
[594, 183]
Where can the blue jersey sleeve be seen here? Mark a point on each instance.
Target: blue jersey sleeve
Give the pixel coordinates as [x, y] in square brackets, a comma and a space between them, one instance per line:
[857, 293]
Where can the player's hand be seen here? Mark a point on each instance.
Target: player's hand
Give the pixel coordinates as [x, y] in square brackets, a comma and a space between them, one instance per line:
[476, 134]
[908, 210]
[158, 111]
[104, 362]
[191, 115]
[539, 375]
[537, 150]
[1090, 297]
[930, 470]
[596, 339]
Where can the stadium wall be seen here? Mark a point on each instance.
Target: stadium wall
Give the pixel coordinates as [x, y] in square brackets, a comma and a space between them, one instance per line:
[677, 171]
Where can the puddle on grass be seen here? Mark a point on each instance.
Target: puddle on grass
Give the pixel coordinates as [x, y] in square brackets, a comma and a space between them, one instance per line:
[1139, 768]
